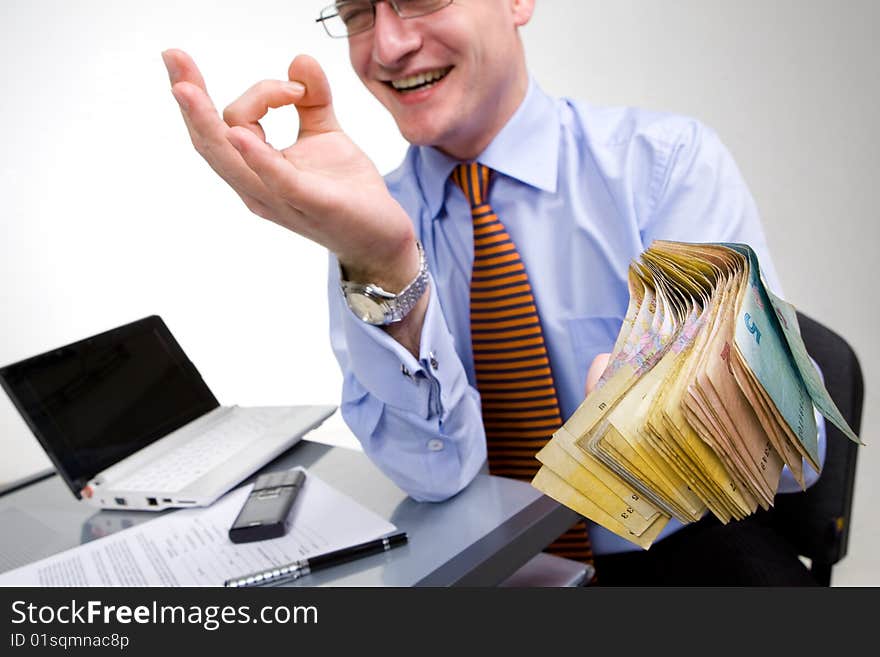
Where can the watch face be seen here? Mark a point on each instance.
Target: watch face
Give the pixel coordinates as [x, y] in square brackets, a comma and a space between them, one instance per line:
[367, 309]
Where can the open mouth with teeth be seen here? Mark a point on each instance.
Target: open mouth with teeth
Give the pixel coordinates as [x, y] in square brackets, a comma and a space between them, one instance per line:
[419, 81]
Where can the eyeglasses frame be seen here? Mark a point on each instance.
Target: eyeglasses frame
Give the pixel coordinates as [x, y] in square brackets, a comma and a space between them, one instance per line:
[394, 6]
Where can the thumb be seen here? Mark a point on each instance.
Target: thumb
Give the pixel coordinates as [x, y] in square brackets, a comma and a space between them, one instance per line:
[316, 107]
[598, 366]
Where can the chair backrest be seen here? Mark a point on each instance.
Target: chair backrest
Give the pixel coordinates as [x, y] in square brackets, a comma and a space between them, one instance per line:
[818, 520]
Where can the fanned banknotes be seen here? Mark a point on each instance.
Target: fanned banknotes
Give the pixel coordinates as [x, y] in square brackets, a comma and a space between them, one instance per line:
[708, 393]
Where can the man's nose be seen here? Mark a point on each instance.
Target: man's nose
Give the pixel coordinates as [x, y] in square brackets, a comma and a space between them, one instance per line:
[393, 37]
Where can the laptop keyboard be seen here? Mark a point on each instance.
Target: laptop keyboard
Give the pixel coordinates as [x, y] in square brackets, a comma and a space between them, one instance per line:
[182, 465]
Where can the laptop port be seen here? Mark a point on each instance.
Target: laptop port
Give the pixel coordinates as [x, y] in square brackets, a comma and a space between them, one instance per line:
[167, 500]
[121, 501]
[152, 501]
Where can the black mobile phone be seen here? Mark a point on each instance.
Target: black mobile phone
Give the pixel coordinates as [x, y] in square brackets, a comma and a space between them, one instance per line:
[266, 511]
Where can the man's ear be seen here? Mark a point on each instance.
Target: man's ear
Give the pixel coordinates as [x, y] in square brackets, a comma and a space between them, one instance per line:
[522, 11]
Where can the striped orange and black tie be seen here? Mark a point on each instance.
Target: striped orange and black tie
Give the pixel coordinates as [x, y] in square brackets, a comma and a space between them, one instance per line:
[519, 403]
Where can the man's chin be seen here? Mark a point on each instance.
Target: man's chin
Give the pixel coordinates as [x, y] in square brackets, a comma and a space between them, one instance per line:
[421, 135]
[421, 124]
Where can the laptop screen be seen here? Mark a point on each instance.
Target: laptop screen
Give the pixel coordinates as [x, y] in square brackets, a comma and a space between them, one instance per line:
[96, 401]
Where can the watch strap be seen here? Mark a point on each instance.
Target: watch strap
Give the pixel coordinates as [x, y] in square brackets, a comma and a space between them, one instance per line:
[395, 306]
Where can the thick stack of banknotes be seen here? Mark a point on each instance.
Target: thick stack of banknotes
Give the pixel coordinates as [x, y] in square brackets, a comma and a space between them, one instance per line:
[709, 392]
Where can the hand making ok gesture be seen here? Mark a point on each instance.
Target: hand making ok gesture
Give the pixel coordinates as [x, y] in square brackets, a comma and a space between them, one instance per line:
[322, 187]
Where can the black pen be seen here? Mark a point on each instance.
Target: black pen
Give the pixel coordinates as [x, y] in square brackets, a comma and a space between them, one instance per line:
[303, 567]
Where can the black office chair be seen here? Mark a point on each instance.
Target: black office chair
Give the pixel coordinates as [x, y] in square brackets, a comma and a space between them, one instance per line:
[818, 520]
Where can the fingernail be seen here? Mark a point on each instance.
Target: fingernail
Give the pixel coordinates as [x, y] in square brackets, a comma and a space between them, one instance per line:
[295, 87]
[173, 72]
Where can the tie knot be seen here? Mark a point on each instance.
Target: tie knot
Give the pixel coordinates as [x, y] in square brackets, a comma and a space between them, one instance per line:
[473, 179]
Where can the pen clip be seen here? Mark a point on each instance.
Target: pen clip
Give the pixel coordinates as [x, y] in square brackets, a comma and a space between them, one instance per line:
[273, 576]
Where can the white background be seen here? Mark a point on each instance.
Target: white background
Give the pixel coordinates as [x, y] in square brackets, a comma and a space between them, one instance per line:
[108, 214]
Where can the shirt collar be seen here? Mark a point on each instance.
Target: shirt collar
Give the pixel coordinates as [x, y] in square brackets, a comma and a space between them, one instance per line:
[526, 149]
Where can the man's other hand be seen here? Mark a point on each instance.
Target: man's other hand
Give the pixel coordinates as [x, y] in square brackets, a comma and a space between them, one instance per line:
[598, 366]
[322, 187]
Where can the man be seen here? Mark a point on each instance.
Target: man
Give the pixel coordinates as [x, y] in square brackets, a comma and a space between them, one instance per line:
[512, 221]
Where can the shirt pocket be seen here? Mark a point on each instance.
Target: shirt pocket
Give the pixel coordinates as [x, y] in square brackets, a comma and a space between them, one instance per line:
[591, 336]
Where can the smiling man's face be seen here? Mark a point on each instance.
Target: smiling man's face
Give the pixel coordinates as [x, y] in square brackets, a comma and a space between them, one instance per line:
[450, 79]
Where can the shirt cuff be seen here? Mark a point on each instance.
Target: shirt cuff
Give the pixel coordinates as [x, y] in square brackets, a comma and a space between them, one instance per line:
[386, 369]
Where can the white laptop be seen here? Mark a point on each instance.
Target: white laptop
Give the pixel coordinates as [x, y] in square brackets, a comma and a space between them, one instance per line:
[129, 422]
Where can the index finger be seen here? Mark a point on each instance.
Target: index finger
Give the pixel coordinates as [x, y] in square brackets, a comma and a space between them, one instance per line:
[256, 102]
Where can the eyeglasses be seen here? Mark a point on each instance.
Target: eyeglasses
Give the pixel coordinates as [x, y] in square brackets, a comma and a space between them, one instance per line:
[345, 19]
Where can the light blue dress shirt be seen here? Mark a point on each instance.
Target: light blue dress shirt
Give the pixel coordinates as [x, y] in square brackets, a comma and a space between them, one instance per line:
[582, 191]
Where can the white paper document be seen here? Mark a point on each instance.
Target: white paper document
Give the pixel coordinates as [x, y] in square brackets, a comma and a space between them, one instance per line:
[191, 547]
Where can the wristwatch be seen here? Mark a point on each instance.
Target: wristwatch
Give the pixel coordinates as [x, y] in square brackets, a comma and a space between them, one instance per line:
[373, 305]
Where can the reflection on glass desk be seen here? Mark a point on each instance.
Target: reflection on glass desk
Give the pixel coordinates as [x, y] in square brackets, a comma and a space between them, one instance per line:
[477, 538]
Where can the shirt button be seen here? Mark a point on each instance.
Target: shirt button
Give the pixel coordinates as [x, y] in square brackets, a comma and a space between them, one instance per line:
[406, 372]
[435, 445]
[433, 360]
